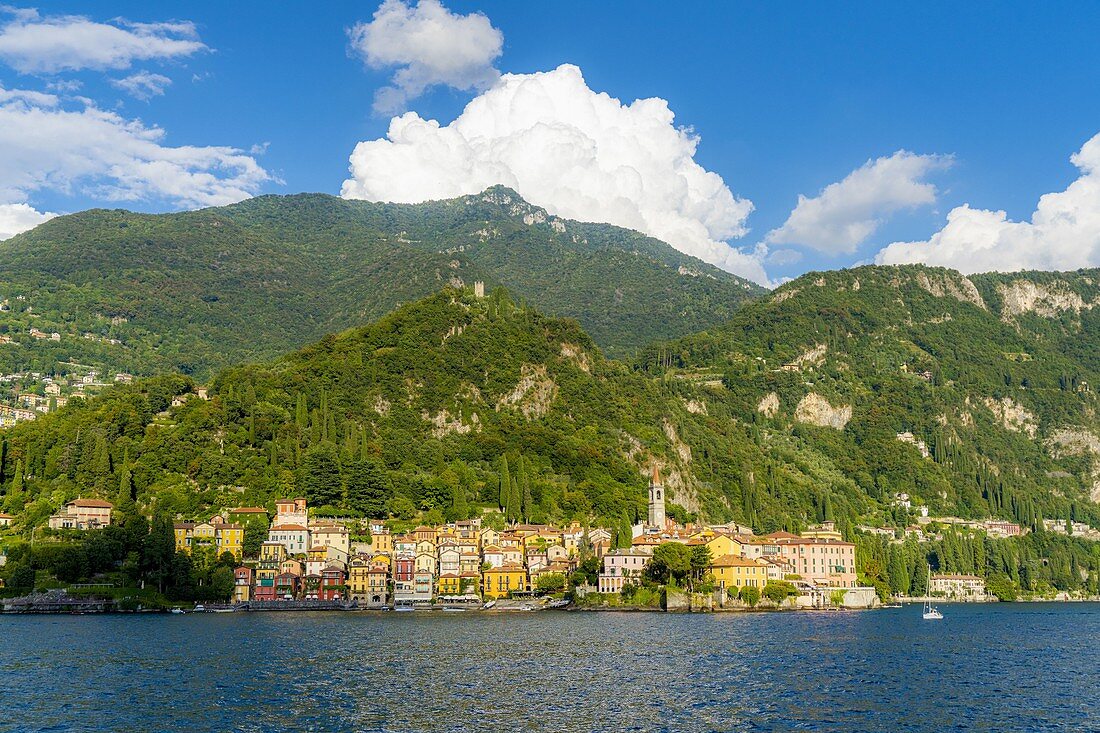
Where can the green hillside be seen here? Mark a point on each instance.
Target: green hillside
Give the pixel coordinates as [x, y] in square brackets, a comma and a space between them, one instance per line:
[197, 291]
[874, 367]
[456, 404]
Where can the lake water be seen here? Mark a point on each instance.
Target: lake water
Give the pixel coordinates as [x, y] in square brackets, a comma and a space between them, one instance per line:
[1001, 667]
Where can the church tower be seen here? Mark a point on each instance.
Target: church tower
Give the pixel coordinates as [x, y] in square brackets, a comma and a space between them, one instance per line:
[656, 500]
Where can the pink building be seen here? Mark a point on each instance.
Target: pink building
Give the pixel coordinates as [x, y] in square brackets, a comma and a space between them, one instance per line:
[621, 567]
[822, 561]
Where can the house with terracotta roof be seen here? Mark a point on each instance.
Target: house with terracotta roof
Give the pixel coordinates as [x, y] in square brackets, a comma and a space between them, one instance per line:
[316, 560]
[493, 556]
[333, 584]
[450, 558]
[822, 561]
[269, 565]
[449, 584]
[424, 534]
[622, 567]
[291, 511]
[6, 519]
[368, 582]
[489, 537]
[469, 562]
[83, 514]
[332, 535]
[217, 535]
[733, 571]
[503, 581]
[288, 586]
[242, 584]
[957, 586]
[294, 537]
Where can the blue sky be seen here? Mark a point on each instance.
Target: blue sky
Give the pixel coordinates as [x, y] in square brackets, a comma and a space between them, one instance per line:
[784, 100]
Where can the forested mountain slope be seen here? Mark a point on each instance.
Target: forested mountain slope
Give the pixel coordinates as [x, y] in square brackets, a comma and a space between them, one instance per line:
[973, 395]
[198, 291]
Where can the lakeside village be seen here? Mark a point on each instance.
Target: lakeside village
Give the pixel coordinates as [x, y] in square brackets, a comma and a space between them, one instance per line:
[310, 563]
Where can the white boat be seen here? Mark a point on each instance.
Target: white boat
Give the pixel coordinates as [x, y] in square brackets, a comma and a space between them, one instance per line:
[931, 613]
[489, 605]
[177, 610]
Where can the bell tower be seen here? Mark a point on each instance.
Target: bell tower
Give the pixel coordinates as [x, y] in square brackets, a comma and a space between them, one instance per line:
[656, 500]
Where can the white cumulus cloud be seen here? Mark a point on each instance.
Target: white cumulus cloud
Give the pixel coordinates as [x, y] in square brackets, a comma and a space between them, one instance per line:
[847, 212]
[1063, 234]
[143, 85]
[578, 153]
[431, 46]
[77, 147]
[16, 218]
[34, 44]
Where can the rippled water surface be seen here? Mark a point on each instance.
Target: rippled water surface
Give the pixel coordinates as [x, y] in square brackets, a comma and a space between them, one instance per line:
[1003, 667]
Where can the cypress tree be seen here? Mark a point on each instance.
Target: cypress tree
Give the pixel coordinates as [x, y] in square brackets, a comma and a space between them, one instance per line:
[320, 476]
[459, 509]
[125, 499]
[301, 413]
[505, 488]
[368, 490]
[17, 481]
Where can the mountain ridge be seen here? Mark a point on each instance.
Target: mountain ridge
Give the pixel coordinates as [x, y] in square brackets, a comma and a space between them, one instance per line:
[290, 268]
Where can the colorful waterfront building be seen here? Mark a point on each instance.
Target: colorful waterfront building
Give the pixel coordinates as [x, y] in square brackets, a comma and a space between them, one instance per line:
[333, 584]
[733, 571]
[449, 584]
[622, 567]
[242, 584]
[294, 537]
[502, 581]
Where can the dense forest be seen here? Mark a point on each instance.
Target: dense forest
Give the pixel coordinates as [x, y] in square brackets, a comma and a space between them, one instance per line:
[198, 291]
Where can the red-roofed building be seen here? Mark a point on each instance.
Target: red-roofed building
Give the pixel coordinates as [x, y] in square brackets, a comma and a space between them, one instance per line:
[333, 584]
[242, 584]
[83, 514]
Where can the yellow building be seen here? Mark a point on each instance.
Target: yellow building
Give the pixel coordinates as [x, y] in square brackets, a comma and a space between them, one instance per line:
[183, 531]
[449, 585]
[500, 582]
[230, 538]
[724, 544]
[218, 535]
[358, 572]
[381, 542]
[273, 554]
[732, 571]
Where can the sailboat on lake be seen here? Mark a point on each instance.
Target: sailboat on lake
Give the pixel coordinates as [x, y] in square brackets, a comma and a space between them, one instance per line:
[931, 613]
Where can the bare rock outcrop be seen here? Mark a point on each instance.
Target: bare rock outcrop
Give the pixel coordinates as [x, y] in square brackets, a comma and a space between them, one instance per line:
[814, 409]
[1013, 416]
[533, 394]
[1049, 301]
[769, 405]
[943, 285]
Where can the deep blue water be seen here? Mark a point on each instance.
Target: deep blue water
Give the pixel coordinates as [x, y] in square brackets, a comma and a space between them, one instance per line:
[1001, 667]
